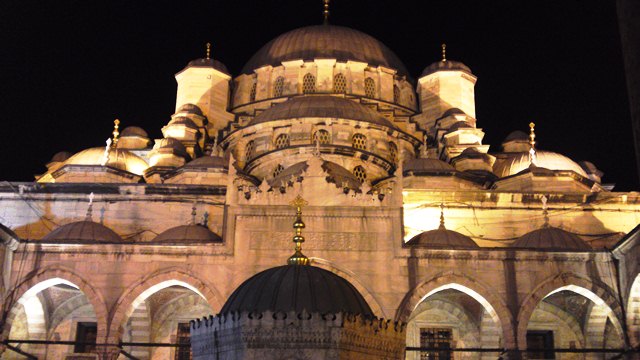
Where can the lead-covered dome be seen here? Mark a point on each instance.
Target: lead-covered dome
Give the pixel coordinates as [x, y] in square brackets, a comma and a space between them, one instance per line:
[188, 234]
[321, 106]
[512, 164]
[442, 238]
[325, 42]
[83, 231]
[551, 238]
[297, 288]
[117, 158]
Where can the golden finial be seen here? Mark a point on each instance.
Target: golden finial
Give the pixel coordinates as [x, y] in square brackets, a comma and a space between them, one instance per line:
[326, 11]
[444, 52]
[208, 51]
[532, 135]
[116, 133]
[298, 258]
[441, 216]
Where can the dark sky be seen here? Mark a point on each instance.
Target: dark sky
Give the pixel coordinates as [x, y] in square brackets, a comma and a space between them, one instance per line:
[68, 68]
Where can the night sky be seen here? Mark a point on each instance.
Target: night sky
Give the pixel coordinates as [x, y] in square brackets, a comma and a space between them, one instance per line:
[69, 68]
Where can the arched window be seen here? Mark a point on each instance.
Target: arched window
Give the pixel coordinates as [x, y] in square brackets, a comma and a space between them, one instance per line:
[339, 84]
[308, 84]
[360, 173]
[369, 87]
[277, 170]
[252, 92]
[278, 87]
[393, 152]
[282, 141]
[322, 137]
[359, 141]
[250, 150]
[396, 94]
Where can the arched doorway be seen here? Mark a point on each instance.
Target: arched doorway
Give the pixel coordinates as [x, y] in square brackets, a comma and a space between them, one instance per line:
[633, 312]
[453, 316]
[57, 310]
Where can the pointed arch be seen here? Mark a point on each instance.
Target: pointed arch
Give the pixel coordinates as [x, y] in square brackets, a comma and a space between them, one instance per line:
[486, 296]
[598, 293]
[51, 276]
[145, 287]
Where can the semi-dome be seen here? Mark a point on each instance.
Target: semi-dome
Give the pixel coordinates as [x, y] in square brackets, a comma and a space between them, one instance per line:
[297, 288]
[322, 106]
[441, 238]
[188, 234]
[517, 162]
[448, 65]
[118, 158]
[83, 231]
[551, 238]
[131, 131]
[325, 42]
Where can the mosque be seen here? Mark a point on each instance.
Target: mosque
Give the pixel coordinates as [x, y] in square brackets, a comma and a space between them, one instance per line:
[417, 238]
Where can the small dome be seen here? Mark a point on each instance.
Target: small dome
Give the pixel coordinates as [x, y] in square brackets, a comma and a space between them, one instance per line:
[208, 63]
[297, 288]
[188, 234]
[118, 158]
[190, 109]
[83, 231]
[448, 65]
[207, 162]
[183, 120]
[61, 156]
[517, 162]
[551, 238]
[453, 111]
[131, 131]
[321, 107]
[325, 42]
[170, 143]
[424, 165]
[516, 135]
[442, 238]
[337, 175]
[460, 125]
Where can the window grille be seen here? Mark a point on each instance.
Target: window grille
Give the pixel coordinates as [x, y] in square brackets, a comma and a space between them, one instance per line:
[250, 150]
[360, 173]
[252, 93]
[282, 141]
[359, 141]
[396, 94]
[278, 170]
[369, 87]
[393, 152]
[308, 84]
[339, 84]
[322, 137]
[438, 339]
[183, 337]
[278, 87]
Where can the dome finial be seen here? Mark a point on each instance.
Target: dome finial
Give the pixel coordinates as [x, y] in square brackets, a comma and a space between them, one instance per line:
[116, 133]
[441, 227]
[298, 258]
[532, 143]
[444, 52]
[208, 51]
[326, 12]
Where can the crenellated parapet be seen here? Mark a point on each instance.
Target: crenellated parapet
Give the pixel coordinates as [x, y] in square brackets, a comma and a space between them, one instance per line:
[270, 335]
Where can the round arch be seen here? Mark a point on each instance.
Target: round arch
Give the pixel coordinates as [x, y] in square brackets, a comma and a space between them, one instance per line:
[145, 287]
[51, 276]
[599, 294]
[366, 293]
[486, 296]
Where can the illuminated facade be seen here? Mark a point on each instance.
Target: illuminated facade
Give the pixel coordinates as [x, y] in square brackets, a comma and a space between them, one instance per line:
[501, 247]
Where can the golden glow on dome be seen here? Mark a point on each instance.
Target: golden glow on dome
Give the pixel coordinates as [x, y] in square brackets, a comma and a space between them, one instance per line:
[119, 159]
[544, 159]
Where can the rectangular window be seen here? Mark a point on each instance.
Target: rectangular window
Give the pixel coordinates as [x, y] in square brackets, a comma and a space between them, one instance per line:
[183, 338]
[436, 339]
[86, 334]
[538, 341]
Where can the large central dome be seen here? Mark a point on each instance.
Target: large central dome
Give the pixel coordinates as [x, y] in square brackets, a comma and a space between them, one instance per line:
[325, 42]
